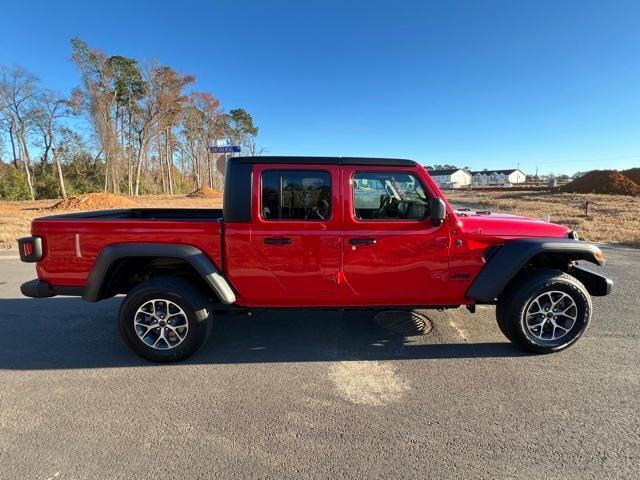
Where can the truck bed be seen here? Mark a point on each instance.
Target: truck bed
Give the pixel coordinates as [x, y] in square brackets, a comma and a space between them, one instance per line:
[144, 214]
[71, 242]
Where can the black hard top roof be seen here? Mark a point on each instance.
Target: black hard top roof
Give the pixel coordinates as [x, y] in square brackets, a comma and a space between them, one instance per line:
[390, 162]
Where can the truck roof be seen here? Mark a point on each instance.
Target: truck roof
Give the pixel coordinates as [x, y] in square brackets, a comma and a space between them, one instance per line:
[400, 162]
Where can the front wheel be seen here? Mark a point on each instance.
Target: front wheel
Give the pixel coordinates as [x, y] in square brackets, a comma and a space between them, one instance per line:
[544, 311]
[164, 319]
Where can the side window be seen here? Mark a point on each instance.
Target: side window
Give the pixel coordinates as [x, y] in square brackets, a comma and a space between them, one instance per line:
[296, 195]
[389, 196]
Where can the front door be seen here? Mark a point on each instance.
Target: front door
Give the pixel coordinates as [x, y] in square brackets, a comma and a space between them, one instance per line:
[295, 234]
[392, 252]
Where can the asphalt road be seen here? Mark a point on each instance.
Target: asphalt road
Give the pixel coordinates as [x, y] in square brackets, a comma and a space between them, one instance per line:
[317, 395]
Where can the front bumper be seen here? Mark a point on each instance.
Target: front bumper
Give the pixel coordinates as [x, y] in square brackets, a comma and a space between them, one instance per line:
[39, 289]
[597, 285]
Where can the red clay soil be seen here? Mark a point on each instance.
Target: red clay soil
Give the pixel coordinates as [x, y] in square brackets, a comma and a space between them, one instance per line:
[205, 192]
[604, 181]
[633, 174]
[94, 201]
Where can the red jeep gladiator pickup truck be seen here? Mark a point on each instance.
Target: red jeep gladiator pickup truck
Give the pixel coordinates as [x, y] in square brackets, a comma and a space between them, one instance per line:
[316, 232]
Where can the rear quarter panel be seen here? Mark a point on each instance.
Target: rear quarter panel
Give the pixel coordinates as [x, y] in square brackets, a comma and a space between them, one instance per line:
[68, 261]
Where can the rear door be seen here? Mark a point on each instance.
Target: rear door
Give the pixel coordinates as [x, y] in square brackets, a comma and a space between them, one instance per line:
[392, 252]
[295, 233]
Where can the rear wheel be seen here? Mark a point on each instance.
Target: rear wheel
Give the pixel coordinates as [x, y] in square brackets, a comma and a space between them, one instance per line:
[164, 319]
[544, 311]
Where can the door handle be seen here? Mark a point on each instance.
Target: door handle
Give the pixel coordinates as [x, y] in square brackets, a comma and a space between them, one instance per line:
[277, 241]
[362, 241]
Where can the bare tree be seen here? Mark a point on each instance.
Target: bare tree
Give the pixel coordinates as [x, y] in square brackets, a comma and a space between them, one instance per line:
[201, 126]
[18, 92]
[253, 148]
[48, 113]
[142, 129]
[97, 99]
[211, 128]
[162, 99]
[190, 139]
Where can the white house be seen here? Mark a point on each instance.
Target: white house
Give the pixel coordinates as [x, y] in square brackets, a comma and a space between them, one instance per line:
[451, 178]
[498, 177]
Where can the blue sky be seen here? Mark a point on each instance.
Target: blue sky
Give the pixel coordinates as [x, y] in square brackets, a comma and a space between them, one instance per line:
[496, 84]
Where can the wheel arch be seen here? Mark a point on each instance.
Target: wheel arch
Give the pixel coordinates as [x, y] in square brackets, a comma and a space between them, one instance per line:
[117, 267]
[507, 261]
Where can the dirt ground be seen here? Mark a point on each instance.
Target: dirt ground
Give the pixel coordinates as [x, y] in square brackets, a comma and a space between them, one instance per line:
[15, 217]
[612, 219]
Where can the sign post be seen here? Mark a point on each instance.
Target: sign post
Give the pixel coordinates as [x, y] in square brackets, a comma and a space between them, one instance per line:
[225, 150]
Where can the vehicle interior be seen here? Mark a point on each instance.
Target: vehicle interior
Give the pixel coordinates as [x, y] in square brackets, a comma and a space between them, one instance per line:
[389, 196]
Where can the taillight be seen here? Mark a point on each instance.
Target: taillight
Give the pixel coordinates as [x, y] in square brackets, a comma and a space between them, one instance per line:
[30, 249]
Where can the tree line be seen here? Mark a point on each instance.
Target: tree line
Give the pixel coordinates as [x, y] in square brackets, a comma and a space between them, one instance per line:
[128, 128]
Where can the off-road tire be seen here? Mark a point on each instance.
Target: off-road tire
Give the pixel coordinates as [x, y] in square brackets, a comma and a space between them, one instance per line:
[187, 296]
[521, 293]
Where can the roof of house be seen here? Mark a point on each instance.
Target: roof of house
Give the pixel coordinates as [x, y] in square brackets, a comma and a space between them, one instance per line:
[449, 171]
[508, 171]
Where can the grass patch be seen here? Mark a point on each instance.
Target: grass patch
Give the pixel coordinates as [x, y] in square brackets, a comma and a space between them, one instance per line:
[612, 218]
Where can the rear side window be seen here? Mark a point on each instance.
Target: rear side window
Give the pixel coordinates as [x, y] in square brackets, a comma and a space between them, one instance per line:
[296, 195]
[389, 196]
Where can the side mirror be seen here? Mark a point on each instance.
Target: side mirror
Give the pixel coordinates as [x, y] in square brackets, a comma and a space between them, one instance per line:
[438, 211]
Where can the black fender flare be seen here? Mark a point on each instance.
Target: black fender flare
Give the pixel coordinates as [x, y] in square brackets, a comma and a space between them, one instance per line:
[505, 262]
[93, 290]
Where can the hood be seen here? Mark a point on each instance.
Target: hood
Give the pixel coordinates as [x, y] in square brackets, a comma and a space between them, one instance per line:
[491, 224]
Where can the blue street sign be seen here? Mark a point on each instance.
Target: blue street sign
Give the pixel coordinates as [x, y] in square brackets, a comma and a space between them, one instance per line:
[225, 149]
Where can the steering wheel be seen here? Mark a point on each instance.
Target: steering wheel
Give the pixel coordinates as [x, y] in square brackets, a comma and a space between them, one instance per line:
[393, 208]
[384, 203]
[321, 210]
[403, 209]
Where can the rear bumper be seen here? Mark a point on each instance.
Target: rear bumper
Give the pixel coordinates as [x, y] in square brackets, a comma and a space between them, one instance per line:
[39, 289]
[36, 289]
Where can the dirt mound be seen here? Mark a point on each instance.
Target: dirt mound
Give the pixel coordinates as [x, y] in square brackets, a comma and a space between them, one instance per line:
[205, 192]
[604, 181]
[633, 174]
[94, 201]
